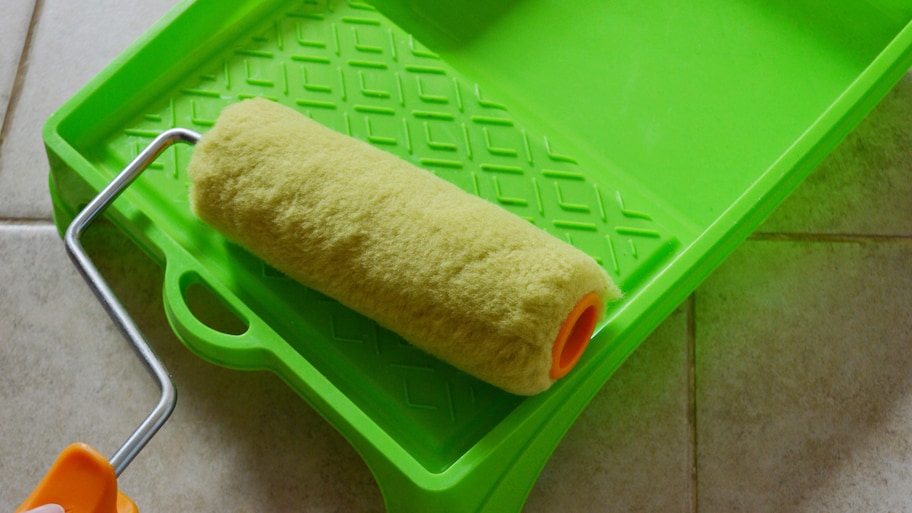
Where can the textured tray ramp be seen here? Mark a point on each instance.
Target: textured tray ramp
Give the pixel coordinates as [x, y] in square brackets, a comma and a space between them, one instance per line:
[349, 68]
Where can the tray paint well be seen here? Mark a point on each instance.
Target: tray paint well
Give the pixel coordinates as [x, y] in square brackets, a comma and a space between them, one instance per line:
[654, 137]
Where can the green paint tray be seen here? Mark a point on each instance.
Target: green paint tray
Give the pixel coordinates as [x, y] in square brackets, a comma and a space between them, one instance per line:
[653, 135]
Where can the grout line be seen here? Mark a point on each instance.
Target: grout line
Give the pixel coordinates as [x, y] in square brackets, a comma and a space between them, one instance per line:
[19, 81]
[36, 222]
[691, 334]
[827, 237]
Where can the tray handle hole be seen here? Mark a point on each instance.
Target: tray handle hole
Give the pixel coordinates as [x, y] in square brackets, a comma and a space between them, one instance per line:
[211, 310]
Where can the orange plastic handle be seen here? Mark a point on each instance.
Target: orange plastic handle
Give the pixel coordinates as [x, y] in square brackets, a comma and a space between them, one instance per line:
[82, 481]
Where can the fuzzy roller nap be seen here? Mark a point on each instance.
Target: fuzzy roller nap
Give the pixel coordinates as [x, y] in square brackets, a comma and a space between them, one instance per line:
[451, 273]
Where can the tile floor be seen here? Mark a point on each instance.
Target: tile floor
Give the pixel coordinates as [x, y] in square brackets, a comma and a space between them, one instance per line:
[784, 383]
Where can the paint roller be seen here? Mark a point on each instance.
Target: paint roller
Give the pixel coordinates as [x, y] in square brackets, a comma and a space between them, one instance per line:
[451, 273]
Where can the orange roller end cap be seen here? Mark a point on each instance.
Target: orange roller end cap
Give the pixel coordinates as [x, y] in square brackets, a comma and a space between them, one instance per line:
[82, 481]
[574, 335]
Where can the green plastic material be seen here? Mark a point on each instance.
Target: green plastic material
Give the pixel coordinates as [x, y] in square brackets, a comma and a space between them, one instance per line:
[653, 135]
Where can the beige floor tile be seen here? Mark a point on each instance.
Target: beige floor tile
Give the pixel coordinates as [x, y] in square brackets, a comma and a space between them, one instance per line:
[14, 25]
[865, 185]
[630, 449]
[803, 375]
[71, 43]
[65, 375]
[237, 441]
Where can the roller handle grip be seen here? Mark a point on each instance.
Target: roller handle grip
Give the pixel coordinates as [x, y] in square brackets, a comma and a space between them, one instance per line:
[82, 480]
